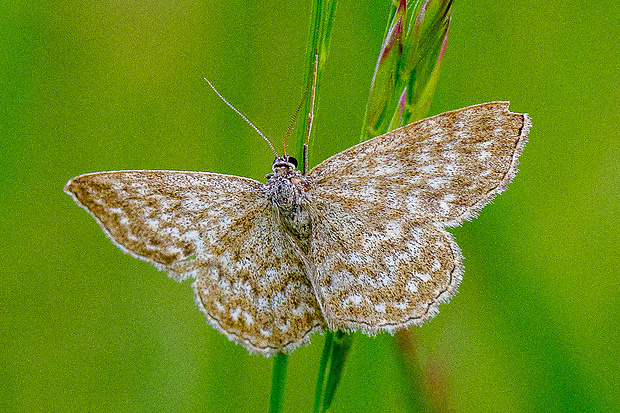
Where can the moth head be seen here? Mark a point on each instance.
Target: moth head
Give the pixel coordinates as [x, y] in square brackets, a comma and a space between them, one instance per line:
[284, 163]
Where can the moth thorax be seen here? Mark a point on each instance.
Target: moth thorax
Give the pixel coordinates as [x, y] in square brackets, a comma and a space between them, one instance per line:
[285, 194]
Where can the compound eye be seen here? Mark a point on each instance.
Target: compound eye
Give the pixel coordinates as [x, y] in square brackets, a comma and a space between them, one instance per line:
[293, 161]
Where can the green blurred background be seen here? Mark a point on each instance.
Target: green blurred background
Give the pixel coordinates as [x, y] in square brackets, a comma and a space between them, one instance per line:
[90, 86]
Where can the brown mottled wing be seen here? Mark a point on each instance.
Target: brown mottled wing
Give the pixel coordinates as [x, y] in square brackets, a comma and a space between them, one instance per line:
[163, 217]
[218, 229]
[255, 289]
[441, 169]
[380, 271]
[382, 259]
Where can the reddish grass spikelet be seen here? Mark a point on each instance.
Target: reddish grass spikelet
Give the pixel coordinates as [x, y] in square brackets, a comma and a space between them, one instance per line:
[407, 65]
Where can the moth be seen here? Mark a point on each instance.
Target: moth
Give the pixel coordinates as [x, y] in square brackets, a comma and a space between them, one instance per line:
[357, 243]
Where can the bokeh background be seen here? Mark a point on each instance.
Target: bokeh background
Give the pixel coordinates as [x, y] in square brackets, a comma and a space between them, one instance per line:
[89, 86]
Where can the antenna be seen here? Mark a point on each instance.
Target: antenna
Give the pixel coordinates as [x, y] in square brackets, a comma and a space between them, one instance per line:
[311, 114]
[243, 117]
[294, 118]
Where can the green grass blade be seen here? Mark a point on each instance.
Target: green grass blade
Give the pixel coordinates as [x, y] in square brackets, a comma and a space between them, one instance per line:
[340, 349]
[278, 380]
[325, 357]
[321, 26]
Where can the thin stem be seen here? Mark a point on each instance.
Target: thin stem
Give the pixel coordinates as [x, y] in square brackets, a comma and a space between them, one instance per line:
[327, 351]
[317, 51]
[340, 349]
[311, 114]
[280, 363]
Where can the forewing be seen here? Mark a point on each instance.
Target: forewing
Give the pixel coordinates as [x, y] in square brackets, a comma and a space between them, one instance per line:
[380, 274]
[254, 288]
[164, 217]
[250, 282]
[440, 169]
